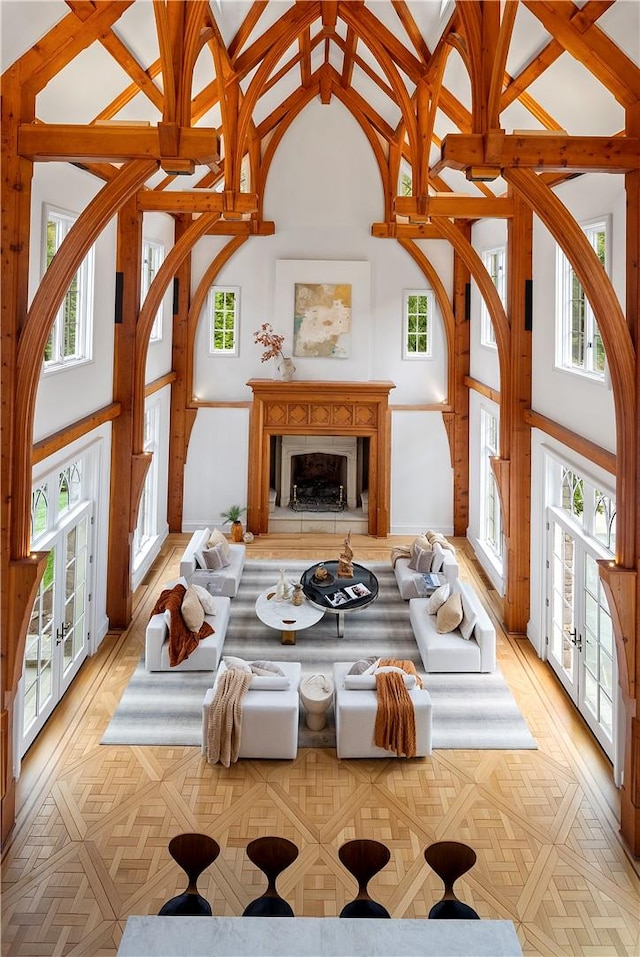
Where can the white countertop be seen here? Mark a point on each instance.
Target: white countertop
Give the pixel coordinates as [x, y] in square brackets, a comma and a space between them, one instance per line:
[316, 937]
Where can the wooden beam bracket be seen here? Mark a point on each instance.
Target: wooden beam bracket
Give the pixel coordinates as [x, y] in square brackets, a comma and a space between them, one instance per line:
[620, 585]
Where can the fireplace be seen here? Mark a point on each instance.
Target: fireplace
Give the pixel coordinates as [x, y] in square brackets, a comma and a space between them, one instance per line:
[349, 420]
[318, 472]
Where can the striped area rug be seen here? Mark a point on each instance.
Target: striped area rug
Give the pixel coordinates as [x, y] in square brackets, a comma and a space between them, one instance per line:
[470, 711]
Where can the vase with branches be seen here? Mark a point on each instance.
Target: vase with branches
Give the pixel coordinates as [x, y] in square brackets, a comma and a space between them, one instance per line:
[272, 342]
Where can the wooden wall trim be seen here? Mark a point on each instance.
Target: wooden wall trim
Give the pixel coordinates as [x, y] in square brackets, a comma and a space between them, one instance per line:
[152, 387]
[595, 453]
[211, 404]
[57, 440]
[420, 407]
[486, 390]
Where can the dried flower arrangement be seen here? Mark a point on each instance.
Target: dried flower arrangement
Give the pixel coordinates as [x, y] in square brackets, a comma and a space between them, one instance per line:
[272, 342]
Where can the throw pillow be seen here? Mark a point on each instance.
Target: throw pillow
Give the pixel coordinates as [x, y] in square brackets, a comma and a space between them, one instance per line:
[449, 615]
[191, 610]
[214, 558]
[437, 559]
[217, 538]
[206, 599]
[270, 683]
[361, 666]
[438, 598]
[239, 663]
[469, 616]
[421, 559]
[265, 668]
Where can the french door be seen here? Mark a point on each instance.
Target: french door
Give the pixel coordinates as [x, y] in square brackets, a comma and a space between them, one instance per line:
[579, 631]
[58, 634]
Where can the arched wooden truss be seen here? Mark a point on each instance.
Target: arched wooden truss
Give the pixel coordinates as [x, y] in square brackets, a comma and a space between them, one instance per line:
[245, 70]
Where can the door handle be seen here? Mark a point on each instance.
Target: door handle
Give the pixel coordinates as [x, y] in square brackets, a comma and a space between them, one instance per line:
[60, 633]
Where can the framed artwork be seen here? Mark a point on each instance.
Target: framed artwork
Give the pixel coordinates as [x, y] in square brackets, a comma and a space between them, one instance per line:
[323, 307]
[322, 320]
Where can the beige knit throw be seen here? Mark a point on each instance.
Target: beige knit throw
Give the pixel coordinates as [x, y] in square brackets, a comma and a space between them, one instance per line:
[225, 717]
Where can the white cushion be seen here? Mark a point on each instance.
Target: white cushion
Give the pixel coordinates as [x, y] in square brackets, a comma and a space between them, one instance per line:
[438, 598]
[469, 616]
[270, 683]
[206, 599]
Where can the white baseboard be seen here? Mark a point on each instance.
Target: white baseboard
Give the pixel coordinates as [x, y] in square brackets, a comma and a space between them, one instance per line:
[446, 530]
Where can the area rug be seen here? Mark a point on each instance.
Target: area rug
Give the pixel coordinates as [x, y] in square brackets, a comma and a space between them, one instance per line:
[470, 711]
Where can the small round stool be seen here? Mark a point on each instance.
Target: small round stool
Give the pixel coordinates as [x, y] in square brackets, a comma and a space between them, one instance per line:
[316, 692]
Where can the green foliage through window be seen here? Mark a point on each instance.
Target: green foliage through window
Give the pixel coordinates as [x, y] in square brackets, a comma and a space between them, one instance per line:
[224, 320]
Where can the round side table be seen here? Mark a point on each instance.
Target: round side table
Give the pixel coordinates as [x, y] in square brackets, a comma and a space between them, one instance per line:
[316, 693]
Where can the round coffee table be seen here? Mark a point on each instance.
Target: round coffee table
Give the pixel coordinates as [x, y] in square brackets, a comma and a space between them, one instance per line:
[284, 616]
[340, 595]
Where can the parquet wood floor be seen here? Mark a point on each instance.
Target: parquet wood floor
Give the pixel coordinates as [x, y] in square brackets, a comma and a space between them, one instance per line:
[90, 844]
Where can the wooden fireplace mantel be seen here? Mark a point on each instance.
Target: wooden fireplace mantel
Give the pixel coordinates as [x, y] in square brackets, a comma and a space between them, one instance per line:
[319, 408]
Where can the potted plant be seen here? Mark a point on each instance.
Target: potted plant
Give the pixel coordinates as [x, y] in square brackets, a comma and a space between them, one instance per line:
[233, 515]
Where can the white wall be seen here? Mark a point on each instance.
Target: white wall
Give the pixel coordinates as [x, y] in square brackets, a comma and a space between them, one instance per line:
[216, 468]
[323, 192]
[574, 401]
[158, 228]
[66, 395]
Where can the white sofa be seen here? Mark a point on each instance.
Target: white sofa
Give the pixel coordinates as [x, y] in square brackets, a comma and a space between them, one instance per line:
[269, 718]
[222, 582]
[206, 657]
[452, 652]
[444, 563]
[355, 714]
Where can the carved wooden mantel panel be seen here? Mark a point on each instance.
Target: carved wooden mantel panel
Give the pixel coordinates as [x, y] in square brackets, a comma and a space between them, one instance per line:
[319, 408]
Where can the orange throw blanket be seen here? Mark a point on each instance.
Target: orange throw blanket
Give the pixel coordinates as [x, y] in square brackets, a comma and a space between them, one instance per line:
[395, 728]
[181, 641]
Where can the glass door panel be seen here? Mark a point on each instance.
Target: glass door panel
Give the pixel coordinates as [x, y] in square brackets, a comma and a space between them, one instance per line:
[597, 687]
[39, 700]
[562, 638]
[74, 632]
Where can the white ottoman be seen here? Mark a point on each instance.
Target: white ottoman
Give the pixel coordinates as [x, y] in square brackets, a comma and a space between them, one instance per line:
[269, 718]
[356, 719]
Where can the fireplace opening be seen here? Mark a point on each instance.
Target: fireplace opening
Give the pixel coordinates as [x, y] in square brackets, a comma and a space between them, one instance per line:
[318, 482]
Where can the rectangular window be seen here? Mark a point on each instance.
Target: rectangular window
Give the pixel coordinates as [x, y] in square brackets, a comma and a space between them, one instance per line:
[494, 262]
[152, 258]
[491, 520]
[579, 346]
[224, 314]
[418, 310]
[69, 341]
[146, 526]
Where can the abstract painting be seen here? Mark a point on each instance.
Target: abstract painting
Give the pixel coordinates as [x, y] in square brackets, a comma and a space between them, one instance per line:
[322, 320]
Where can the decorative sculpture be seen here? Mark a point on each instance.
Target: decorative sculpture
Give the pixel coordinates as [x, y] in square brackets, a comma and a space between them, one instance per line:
[283, 588]
[345, 565]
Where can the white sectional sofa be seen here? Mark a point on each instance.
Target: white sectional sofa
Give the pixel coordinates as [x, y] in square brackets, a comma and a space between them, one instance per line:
[206, 657]
[269, 717]
[444, 562]
[224, 581]
[355, 714]
[450, 651]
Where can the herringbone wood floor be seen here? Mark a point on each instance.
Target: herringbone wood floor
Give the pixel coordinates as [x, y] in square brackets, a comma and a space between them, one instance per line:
[90, 844]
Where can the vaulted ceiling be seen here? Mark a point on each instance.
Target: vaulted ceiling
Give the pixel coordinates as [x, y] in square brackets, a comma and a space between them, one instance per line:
[142, 73]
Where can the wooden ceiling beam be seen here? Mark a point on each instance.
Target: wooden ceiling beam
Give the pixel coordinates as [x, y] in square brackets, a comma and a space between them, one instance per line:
[304, 42]
[245, 62]
[367, 24]
[329, 15]
[412, 30]
[196, 201]
[453, 205]
[593, 48]
[546, 152]
[64, 42]
[68, 142]
[552, 51]
[349, 49]
[404, 231]
[247, 27]
[130, 65]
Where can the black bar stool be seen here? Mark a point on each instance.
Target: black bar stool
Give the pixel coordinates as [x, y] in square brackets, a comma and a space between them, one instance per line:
[272, 855]
[450, 860]
[363, 859]
[193, 852]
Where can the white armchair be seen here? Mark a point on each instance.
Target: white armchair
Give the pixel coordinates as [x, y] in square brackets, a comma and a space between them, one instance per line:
[269, 717]
[355, 712]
